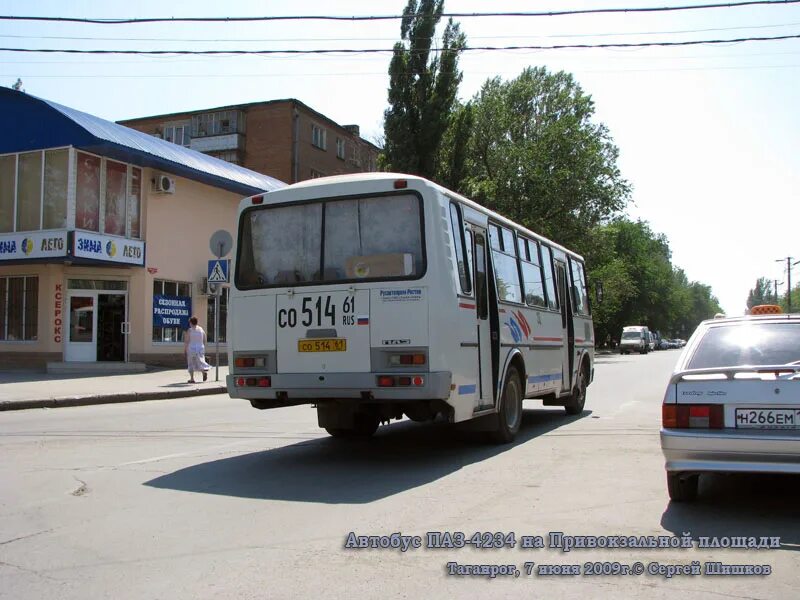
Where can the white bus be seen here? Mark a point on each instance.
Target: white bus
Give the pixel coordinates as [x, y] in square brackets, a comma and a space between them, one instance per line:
[374, 296]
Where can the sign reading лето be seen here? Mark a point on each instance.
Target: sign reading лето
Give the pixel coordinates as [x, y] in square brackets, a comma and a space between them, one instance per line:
[172, 311]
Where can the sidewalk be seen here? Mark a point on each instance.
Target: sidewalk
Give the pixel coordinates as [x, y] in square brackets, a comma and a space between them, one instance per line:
[29, 389]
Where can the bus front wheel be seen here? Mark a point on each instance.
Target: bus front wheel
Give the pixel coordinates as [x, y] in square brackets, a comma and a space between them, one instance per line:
[509, 418]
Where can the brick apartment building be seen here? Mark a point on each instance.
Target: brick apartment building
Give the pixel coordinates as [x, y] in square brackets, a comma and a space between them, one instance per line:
[282, 138]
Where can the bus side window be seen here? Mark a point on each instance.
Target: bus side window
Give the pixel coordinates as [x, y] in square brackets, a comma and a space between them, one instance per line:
[469, 241]
[549, 278]
[457, 227]
[495, 238]
[579, 295]
[481, 296]
[532, 274]
[506, 270]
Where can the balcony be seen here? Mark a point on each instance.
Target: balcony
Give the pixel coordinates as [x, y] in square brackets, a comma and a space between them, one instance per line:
[218, 143]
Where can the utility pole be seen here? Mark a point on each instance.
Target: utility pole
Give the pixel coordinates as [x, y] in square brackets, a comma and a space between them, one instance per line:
[789, 265]
[777, 283]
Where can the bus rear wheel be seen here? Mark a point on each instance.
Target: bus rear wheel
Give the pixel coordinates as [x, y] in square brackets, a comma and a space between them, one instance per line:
[509, 418]
[577, 400]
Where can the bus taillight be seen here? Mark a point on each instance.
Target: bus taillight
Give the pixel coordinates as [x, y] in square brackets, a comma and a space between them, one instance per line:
[407, 359]
[385, 381]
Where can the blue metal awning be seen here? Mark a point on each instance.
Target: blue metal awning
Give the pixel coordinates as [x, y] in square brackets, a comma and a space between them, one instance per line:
[31, 123]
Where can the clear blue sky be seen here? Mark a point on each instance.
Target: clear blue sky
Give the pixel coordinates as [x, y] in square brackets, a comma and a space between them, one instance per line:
[709, 136]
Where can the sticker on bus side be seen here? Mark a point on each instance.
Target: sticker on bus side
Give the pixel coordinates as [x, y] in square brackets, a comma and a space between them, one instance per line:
[401, 295]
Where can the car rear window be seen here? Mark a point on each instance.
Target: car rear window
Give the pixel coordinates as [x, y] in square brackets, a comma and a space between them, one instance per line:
[747, 344]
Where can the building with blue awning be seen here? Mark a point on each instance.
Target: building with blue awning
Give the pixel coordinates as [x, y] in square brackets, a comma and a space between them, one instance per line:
[97, 220]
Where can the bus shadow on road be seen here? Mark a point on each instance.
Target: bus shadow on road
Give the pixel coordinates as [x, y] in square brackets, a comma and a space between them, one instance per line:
[400, 457]
[740, 505]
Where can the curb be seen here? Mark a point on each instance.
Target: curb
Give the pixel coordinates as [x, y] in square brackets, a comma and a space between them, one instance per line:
[108, 398]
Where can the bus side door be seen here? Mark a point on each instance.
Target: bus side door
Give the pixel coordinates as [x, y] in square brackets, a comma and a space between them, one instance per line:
[567, 326]
[485, 396]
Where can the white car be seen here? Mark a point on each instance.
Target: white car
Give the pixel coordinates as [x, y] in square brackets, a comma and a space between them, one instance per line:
[733, 403]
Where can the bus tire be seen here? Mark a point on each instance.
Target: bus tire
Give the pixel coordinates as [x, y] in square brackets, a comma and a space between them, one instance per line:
[509, 418]
[364, 426]
[576, 402]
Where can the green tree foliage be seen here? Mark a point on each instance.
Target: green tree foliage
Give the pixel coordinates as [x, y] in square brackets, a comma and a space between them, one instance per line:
[640, 284]
[762, 293]
[422, 89]
[536, 156]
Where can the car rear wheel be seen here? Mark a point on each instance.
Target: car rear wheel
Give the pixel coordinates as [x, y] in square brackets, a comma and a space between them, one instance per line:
[682, 487]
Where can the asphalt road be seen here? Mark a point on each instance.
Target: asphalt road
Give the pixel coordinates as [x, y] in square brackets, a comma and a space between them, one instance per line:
[207, 498]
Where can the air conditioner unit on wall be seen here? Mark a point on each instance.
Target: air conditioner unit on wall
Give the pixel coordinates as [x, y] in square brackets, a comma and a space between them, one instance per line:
[163, 184]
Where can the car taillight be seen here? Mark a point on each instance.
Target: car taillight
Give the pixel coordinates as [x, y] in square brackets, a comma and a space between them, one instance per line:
[693, 416]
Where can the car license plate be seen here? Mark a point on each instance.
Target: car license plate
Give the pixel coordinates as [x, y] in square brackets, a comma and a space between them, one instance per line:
[322, 345]
[768, 418]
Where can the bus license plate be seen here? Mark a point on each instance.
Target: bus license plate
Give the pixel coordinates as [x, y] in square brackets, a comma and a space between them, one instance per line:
[768, 418]
[322, 345]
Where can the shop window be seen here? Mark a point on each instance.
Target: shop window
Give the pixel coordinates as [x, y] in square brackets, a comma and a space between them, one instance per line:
[135, 203]
[87, 209]
[29, 191]
[56, 167]
[19, 308]
[8, 166]
[170, 288]
[223, 316]
[116, 192]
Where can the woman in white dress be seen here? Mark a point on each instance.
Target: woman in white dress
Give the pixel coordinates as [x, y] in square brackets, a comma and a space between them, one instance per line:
[194, 345]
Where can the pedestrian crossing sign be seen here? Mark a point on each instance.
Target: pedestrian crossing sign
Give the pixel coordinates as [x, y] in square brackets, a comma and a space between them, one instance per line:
[218, 271]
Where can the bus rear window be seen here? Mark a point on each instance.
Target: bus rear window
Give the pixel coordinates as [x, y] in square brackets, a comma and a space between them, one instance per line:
[371, 238]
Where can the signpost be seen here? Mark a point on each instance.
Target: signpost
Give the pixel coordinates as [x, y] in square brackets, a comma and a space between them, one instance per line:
[218, 273]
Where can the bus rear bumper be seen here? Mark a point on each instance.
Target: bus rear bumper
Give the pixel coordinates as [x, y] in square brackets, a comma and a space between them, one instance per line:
[296, 387]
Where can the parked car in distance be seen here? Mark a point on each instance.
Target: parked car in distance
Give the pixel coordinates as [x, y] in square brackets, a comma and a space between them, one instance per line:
[732, 404]
[635, 338]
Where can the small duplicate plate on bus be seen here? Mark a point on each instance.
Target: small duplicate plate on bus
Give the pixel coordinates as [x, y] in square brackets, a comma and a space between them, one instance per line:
[322, 345]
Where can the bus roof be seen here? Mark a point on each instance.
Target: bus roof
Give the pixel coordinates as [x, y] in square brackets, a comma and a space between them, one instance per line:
[382, 176]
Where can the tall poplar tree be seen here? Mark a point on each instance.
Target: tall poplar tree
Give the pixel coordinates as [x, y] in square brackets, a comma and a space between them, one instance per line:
[422, 89]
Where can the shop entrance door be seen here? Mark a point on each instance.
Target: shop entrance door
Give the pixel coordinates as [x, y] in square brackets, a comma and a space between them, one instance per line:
[81, 325]
[110, 323]
[97, 326]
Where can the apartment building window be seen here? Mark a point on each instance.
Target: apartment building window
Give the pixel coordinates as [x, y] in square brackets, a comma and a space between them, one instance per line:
[223, 316]
[177, 290]
[178, 134]
[341, 148]
[319, 137]
[218, 123]
[316, 174]
[19, 308]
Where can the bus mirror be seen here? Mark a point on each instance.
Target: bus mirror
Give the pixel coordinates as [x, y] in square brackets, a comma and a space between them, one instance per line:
[598, 292]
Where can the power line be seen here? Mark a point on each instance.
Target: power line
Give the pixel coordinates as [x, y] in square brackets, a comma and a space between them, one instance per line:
[389, 39]
[561, 13]
[379, 50]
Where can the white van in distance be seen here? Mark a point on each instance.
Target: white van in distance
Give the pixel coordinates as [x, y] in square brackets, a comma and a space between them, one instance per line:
[635, 338]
